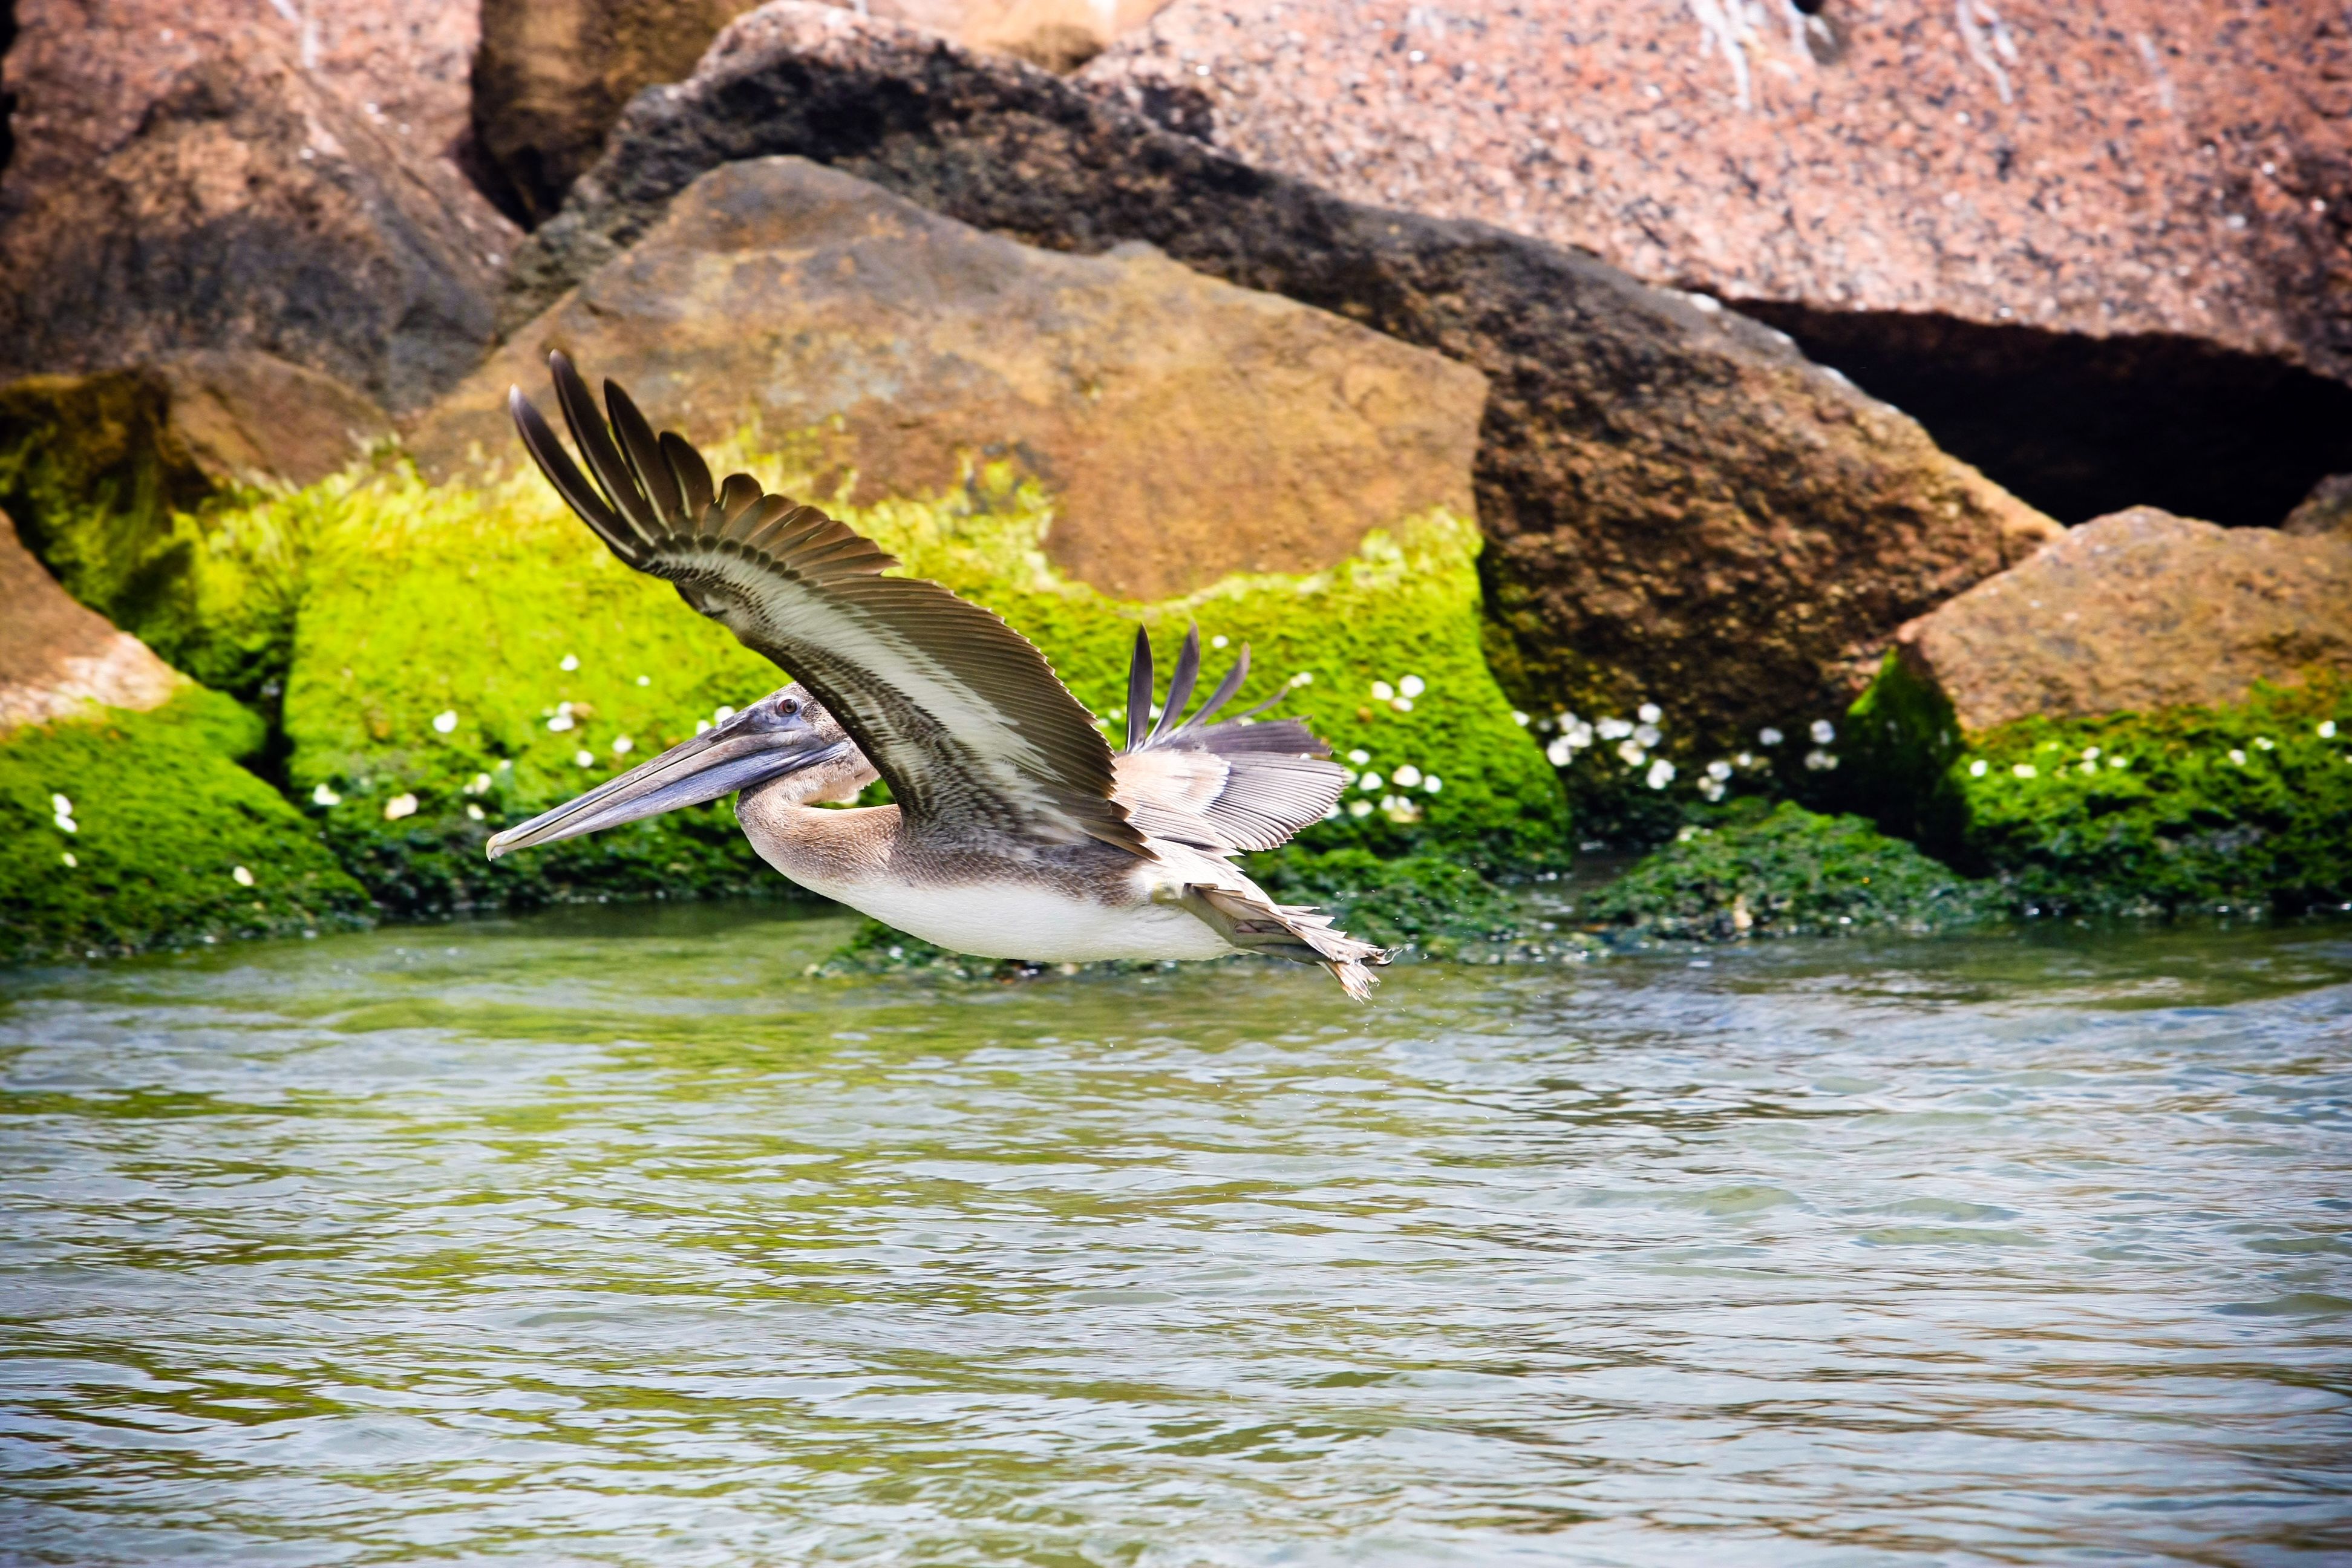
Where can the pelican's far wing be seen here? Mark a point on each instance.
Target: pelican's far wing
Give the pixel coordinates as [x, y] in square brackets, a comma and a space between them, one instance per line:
[960, 713]
[1220, 787]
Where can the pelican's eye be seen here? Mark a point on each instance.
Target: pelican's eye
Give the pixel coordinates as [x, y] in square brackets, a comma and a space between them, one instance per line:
[788, 707]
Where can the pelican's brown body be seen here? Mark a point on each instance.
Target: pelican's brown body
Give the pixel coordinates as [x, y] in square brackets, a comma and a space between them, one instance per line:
[1016, 832]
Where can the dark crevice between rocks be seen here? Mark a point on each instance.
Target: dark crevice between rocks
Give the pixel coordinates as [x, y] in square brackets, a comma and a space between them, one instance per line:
[7, 98]
[2080, 425]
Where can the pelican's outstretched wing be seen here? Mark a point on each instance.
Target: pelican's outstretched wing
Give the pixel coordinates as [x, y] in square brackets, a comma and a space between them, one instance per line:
[961, 715]
[1220, 787]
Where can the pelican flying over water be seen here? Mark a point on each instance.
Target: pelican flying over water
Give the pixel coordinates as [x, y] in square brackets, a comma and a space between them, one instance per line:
[1014, 831]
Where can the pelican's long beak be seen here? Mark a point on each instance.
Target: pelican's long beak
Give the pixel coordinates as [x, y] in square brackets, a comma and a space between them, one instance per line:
[717, 761]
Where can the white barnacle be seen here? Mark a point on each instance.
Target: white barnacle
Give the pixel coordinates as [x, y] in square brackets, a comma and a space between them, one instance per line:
[2021, 769]
[1303, 678]
[1432, 785]
[1647, 734]
[1359, 756]
[2237, 756]
[2327, 729]
[644, 680]
[1220, 641]
[1614, 729]
[1820, 760]
[1823, 731]
[1977, 769]
[568, 662]
[1360, 807]
[398, 807]
[473, 811]
[1768, 736]
[1631, 752]
[721, 714]
[446, 721]
[1370, 780]
[1384, 692]
[59, 805]
[1411, 686]
[560, 723]
[622, 745]
[1718, 769]
[1661, 775]
[324, 794]
[584, 757]
[1649, 712]
[240, 875]
[1519, 718]
[1403, 704]
[1406, 777]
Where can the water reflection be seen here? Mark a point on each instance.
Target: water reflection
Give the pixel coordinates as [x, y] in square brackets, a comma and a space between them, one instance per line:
[606, 1237]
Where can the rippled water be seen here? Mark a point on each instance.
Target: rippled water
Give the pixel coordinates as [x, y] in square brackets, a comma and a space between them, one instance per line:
[606, 1237]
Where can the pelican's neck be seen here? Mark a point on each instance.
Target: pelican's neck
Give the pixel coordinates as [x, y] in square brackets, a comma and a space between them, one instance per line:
[826, 849]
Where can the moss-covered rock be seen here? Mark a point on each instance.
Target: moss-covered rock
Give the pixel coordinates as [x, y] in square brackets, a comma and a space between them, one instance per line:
[132, 830]
[1790, 871]
[2241, 804]
[459, 652]
[148, 521]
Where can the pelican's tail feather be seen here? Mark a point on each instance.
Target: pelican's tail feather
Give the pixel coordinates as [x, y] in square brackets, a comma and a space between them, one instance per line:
[1258, 924]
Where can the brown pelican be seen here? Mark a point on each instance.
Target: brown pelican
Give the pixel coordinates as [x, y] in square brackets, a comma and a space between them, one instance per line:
[1014, 831]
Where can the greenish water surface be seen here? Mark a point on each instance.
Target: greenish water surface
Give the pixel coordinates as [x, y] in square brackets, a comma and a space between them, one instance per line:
[605, 1236]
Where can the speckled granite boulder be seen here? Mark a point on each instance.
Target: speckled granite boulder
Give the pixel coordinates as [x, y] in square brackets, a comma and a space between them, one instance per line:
[1186, 429]
[2101, 166]
[202, 178]
[1679, 507]
[2098, 249]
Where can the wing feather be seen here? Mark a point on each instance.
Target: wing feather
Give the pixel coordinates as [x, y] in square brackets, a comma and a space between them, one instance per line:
[1219, 787]
[961, 715]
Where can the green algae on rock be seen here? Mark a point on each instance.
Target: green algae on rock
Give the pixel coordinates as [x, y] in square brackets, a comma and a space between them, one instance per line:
[1790, 871]
[465, 658]
[2240, 806]
[127, 830]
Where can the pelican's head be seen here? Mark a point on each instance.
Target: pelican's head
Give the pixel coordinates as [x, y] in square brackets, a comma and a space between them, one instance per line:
[786, 735]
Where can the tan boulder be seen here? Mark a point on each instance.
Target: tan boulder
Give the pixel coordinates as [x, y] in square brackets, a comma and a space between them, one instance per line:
[1059, 35]
[2138, 611]
[57, 658]
[1187, 428]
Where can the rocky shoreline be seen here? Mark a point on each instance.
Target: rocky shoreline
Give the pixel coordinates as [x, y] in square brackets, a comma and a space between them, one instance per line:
[1559, 557]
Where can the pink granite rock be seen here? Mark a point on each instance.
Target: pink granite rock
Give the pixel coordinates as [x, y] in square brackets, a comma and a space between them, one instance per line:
[2098, 166]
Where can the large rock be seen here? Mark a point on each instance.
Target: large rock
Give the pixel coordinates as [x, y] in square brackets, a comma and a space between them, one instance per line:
[2097, 247]
[1187, 429]
[1680, 507]
[56, 659]
[124, 821]
[2138, 612]
[552, 75]
[2153, 714]
[109, 476]
[201, 178]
